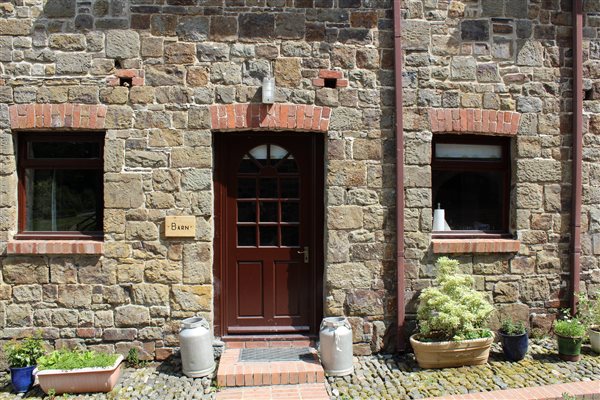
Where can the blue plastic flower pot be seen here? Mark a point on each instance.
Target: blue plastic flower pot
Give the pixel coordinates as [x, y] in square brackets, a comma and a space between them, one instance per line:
[514, 347]
[22, 378]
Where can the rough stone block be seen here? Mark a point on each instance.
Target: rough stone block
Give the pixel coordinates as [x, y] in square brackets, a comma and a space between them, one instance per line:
[165, 75]
[191, 297]
[122, 44]
[74, 296]
[223, 28]
[67, 42]
[477, 30]
[123, 191]
[73, 63]
[193, 29]
[463, 68]
[415, 35]
[151, 294]
[132, 315]
[256, 26]
[162, 271]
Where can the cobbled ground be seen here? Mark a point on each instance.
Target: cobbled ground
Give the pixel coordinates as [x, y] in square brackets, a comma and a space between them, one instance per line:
[375, 377]
[399, 377]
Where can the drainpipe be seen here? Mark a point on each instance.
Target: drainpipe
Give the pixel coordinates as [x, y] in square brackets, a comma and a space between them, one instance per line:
[400, 284]
[577, 150]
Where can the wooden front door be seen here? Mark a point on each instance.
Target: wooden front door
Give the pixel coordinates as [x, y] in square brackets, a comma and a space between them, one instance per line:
[269, 232]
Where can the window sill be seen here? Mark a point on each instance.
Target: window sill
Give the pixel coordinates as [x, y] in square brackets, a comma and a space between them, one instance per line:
[475, 245]
[55, 247]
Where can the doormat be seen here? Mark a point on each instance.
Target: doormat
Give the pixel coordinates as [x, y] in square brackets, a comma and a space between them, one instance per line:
[277, 354]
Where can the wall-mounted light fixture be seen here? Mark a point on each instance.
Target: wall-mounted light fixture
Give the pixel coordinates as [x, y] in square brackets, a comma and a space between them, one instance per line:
[268, 90]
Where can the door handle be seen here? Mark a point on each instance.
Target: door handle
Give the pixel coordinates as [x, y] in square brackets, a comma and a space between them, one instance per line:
[306, 254]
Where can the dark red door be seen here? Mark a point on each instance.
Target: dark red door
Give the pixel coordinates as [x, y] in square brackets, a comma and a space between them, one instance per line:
[270, 232]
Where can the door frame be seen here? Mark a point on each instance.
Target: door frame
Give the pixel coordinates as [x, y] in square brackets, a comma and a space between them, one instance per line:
[317, 204]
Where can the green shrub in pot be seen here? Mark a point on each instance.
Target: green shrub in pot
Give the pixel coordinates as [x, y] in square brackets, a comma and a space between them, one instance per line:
[569, 333]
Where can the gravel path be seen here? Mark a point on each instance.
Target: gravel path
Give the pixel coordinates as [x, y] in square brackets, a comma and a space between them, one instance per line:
[376, 377]
[399, 377]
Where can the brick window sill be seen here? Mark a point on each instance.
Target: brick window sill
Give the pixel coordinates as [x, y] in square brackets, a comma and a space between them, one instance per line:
[481, 245]
[55, 247]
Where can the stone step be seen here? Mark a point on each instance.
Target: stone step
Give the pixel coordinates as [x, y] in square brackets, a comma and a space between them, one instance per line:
[233, 372]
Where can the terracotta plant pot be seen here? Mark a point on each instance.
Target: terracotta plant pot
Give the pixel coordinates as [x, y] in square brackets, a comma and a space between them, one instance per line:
[594, 333]
[569, 348]
[82, 380]
[451, 354]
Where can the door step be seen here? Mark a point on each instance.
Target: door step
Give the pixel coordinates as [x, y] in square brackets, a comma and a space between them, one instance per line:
[313, 391]
[234, 372]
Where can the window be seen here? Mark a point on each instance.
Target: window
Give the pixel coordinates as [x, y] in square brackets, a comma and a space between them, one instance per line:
[471, 184]
[60, 186]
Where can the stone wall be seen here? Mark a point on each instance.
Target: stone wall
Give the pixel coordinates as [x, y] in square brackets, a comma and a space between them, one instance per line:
[513, 56]
[180, 57]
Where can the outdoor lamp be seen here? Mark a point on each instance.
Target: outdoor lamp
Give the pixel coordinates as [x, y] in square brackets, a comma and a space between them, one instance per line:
[268, 90]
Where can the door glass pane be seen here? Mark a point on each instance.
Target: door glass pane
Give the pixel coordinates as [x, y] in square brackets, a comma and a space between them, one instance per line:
[247, 211]
[268, 236]
[288, 165]
[247, 165]
[290, 188]
[268, 211]
[268, 188]
[289, 236]
[63, 200]
[290, 212]
[246, 235]
[246, 188]
[260, 154]
[277, 153]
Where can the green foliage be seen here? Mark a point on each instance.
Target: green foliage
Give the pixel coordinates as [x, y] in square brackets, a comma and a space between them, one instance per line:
[567, 396]
[133, 358]
[24, 353]
[72, 359]
[589, 310]
[569, 328]
[508, 327]
[453, 310]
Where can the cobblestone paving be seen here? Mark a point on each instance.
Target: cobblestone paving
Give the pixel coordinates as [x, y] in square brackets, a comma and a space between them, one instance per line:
[399, 377]
[375, 377]
[155, 382]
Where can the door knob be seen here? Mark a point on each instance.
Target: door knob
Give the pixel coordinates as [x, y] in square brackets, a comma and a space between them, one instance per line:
[306, 254]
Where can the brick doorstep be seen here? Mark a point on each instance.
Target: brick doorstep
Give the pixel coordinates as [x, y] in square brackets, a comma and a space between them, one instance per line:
[234, 373]
[582, 390]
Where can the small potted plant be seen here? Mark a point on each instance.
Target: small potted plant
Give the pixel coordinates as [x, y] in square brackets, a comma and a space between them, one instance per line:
[514, 338]
[589, 312]
[569, 333]
[76, 371]
[452, 318]
[22, 357]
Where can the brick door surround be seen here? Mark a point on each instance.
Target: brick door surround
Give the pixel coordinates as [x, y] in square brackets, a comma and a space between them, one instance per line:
[296, 117]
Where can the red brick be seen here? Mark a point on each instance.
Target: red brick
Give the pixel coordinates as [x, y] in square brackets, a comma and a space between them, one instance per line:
[318, 82]
[329, 74]
[341, 83]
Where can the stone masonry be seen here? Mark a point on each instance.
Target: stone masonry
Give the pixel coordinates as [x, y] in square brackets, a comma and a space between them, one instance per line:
[157, 77]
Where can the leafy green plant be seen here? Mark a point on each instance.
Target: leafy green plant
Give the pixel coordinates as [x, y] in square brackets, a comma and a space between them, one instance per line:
[589, 310]
[24, 353]
[510, 328]
[72, 359]
[453, 309]
[133, 358]
[51, 394]
[572, 328]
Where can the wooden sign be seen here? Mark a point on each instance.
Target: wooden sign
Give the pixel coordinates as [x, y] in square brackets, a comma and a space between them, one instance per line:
[180, 226]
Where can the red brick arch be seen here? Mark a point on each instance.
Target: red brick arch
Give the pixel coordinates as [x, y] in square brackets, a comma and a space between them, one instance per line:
[65, 115]
[299, 117]
[474, 120]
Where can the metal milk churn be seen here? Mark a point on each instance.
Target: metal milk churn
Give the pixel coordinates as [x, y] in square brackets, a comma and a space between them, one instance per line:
[195, 339]
[335, 346]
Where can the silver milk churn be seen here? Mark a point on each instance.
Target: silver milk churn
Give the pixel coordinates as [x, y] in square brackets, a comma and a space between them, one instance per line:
[335, 346]
[195, 340]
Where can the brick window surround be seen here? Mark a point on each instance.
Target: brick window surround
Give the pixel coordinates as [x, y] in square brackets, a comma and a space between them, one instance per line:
[65, 115]
[483, 122]
[296, 117]
[56, 116]
[474, 120]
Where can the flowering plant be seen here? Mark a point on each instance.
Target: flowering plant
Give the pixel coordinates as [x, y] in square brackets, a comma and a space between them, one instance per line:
[453, 309]
[572, 328]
